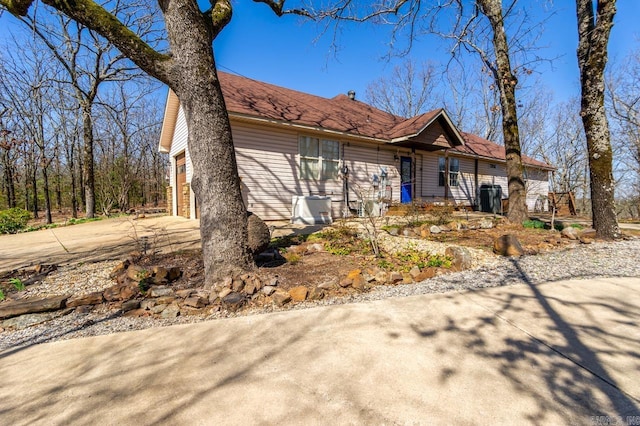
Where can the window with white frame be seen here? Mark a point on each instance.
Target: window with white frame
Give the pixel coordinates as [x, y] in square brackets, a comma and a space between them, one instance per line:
[454, 171]
[319, 158]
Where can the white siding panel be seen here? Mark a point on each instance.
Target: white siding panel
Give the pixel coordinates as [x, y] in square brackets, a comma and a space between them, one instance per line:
[490, 176]
[364, 162]
[537, 186]
[268, 165]
[465, 192]
[430, 188]
[178, 145]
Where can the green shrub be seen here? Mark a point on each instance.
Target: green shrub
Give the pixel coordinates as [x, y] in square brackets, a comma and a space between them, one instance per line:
[13, 220]
[535, 224]
[17, 283]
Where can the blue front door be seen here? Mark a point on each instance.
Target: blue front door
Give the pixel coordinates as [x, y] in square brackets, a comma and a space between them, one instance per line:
[406, 175]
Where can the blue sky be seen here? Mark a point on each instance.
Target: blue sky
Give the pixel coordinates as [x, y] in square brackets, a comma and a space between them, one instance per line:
[285, 51]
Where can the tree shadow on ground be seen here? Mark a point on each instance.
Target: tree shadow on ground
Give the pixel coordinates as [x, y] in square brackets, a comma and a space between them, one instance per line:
[572, 341]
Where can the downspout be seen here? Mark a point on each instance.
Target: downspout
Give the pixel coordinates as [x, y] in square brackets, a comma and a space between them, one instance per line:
[446, 176]
[476, 201]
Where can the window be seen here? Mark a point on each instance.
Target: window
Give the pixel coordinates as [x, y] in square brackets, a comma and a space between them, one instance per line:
[454, 171]
[319, 159]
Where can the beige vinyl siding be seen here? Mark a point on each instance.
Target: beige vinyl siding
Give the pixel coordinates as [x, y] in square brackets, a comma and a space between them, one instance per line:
[363, 162]
[430, 188]
[537, 185]
[465, 192]
[489, 176]
[179, 145]
[268, 164]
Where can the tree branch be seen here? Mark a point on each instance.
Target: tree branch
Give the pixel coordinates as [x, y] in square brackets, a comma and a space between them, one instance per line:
[94, 16]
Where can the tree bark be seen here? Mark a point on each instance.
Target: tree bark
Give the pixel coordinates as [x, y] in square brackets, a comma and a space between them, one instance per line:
[89, 185]
[507, 82]
[215, 182]
[593, 38]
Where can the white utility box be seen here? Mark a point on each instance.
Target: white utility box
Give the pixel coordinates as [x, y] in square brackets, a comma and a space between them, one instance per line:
[311, 210]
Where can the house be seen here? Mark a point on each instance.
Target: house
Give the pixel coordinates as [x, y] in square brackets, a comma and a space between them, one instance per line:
[309, 158]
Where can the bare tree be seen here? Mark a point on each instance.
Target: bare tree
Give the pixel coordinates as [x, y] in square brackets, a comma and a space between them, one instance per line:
[623, 103]
[593, 38]
[407, 92]
[87, 61]
[190, 71]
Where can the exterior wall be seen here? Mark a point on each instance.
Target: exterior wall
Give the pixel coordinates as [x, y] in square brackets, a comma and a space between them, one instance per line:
[493, 176]
[537, 186]
[363, 162]
[268, 164]
[178, 145]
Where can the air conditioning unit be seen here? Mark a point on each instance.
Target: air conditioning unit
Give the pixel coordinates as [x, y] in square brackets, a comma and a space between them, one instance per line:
[369, 208]
[311, 210]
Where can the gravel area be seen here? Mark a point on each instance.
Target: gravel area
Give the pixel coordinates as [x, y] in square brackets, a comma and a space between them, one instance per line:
[616, 259]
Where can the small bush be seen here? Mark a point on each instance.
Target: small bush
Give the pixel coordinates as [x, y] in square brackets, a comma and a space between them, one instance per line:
[13, 220]
[533, 224]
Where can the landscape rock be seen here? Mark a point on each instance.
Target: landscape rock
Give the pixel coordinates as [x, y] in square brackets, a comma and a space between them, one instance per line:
[259, 235]
[268, 290]
[327, 285]
[434, 229]
[426, 274]
[570, 233]
[234, 300]
[10, 309]
[160, 275]
[393, 231]
[359, 282]
[414, 272]
[507, 245]
[196, 302]
[137, 273]
[158, 308]
[395, 277]
[461, 257]
[345, 282]
[184, 293]
[224, 293]
[94, 298]
[165, 300]
[237, 285]
[280, 297]
[407, 278]
[299, 293]
[171, 311]
[119, 269]
[130, 305]
[486, 223]
[147, 304]
[160, 290]
[382, 277]
[315, 294]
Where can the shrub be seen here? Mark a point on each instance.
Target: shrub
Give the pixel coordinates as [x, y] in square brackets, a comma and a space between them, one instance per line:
[535, 224]
[13, 220]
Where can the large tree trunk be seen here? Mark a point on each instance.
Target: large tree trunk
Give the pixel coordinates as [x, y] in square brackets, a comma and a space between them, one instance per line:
[593, 37]
[507, 82]
[215, 182]
[88, 163]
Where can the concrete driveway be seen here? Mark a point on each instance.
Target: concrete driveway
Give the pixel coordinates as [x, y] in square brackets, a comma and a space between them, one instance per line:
[101, 240]
[558, 353]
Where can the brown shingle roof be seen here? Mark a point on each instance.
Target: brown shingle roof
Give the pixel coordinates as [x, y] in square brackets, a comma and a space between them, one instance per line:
[253, 98]
[481, 147]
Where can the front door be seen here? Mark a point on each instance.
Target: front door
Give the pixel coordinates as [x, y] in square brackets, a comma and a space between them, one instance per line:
[406, 175]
